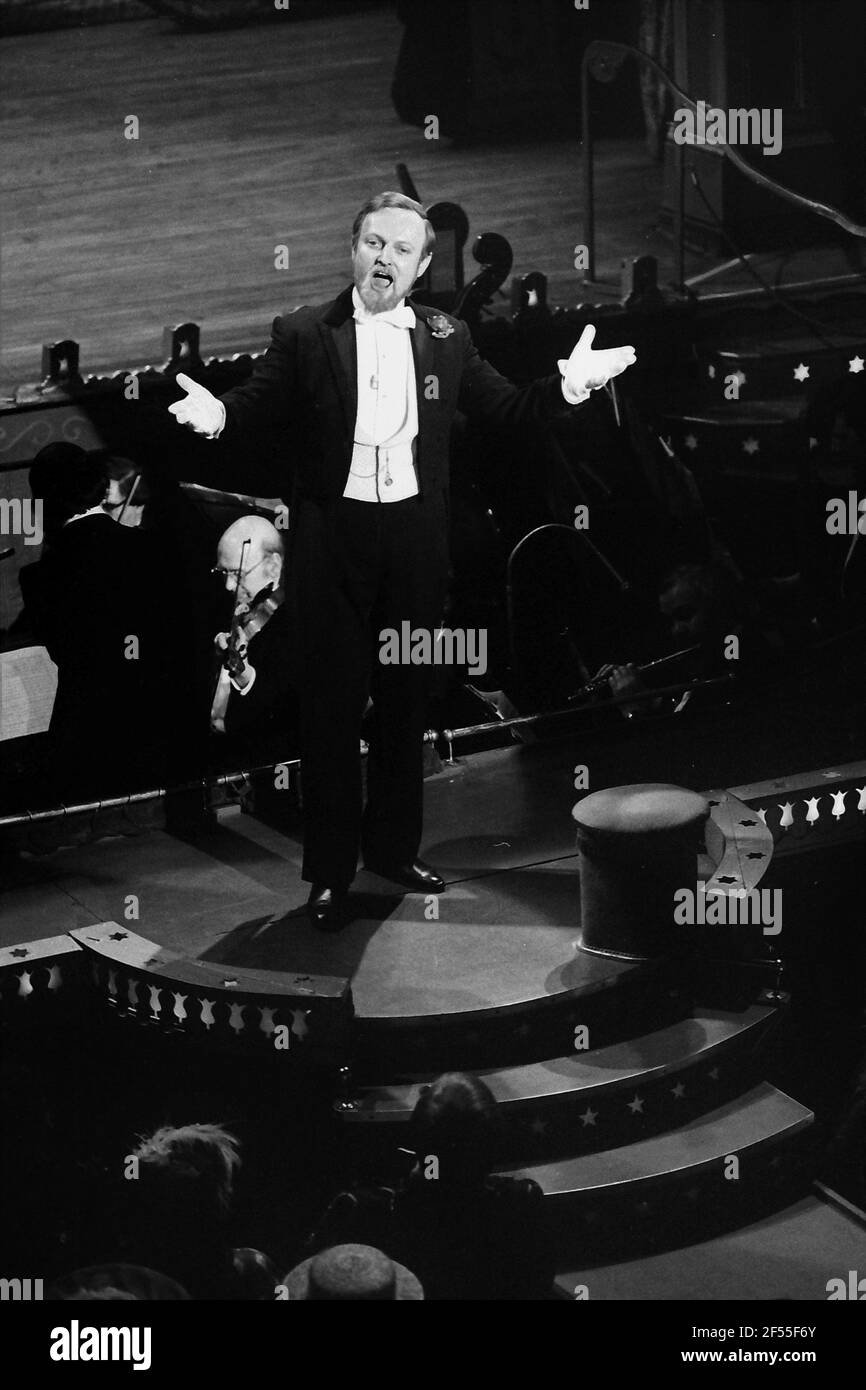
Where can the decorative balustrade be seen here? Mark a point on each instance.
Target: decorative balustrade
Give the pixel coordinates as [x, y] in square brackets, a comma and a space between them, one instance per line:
[811, 809]
[306, 1017]
[41, 982]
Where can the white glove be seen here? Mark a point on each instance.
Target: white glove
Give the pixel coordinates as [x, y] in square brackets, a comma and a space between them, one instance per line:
[588, 368]
[199, 409]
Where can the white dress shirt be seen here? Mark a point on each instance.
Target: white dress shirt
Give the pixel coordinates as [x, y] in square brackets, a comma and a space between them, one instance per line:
[386, 426]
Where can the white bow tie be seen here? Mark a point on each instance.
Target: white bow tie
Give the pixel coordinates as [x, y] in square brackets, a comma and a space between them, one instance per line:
[401, 317]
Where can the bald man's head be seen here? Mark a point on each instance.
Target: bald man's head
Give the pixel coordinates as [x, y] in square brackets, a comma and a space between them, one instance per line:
[262, 558]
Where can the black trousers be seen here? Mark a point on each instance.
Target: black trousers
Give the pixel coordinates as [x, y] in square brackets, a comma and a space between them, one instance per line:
[356, 569]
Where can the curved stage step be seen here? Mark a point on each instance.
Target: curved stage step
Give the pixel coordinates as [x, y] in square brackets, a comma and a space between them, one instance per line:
[632, 1088]
[730, 1166]
[506, 1021]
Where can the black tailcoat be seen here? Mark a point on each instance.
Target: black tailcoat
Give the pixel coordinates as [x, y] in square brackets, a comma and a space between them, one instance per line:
[356, 567]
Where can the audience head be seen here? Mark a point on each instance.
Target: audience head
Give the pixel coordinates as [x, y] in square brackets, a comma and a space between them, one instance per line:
[457, 1122]
[255, 1275]
[173, 1216]
[116, 1283]
[262, 559]
[351, 1274]
[207, 1153]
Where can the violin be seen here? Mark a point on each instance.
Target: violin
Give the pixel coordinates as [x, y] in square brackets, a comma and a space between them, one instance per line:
[247, 621]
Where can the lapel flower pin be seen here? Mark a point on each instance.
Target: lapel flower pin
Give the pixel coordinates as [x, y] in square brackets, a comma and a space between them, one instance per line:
[439, 326]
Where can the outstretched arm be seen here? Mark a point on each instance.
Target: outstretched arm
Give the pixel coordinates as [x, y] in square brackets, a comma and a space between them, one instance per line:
[266, 396]
[588, 368]
[484, 393]
[199, 409]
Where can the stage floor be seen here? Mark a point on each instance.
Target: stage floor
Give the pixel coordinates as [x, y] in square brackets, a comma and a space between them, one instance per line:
[498, 827]
[789, 1255]
[506, 929]
[255, 138]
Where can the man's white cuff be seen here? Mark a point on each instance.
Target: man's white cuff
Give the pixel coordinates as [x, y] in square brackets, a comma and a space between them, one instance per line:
[222, 424]
[573, 397]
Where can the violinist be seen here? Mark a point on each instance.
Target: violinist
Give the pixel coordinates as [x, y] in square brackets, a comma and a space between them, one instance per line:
[704, 606]
[254, 683]
[128, 492]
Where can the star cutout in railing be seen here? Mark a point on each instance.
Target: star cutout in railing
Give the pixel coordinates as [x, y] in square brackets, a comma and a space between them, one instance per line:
[589, 1116]
[801, 373]
[855, 365]
[19, 951]
[678, 1091]
[750, 445]
[636, 1106]
[690, 441]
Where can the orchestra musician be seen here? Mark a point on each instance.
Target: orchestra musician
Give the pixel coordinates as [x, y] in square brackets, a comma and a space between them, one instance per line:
[254, 685]
[128, 493]
[367, 387]
[92, 600]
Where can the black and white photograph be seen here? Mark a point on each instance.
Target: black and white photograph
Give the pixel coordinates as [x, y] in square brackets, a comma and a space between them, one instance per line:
[431, 843]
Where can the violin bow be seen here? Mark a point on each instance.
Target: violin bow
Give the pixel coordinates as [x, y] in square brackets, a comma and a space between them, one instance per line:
[238, 575]
[132, 492]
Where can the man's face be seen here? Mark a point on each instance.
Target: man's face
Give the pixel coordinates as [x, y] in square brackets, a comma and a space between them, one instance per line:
[388, 257]
[258, 571]
[685, 611]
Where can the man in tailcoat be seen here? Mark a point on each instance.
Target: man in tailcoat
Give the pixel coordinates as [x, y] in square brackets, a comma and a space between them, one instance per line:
[367, 387]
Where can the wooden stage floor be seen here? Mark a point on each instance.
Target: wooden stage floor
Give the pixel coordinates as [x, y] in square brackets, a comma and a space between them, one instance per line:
[249, 139]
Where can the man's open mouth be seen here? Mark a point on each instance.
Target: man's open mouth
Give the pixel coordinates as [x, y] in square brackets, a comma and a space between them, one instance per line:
[382, 278]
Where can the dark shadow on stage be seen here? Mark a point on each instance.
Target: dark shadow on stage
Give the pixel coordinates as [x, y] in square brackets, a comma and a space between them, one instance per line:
[291, 943]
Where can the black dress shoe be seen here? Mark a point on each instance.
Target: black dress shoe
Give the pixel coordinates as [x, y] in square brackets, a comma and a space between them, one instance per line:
[326, 907]
[417, 876]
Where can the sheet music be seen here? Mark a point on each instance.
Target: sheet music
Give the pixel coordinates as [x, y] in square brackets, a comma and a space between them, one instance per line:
[28, 685]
